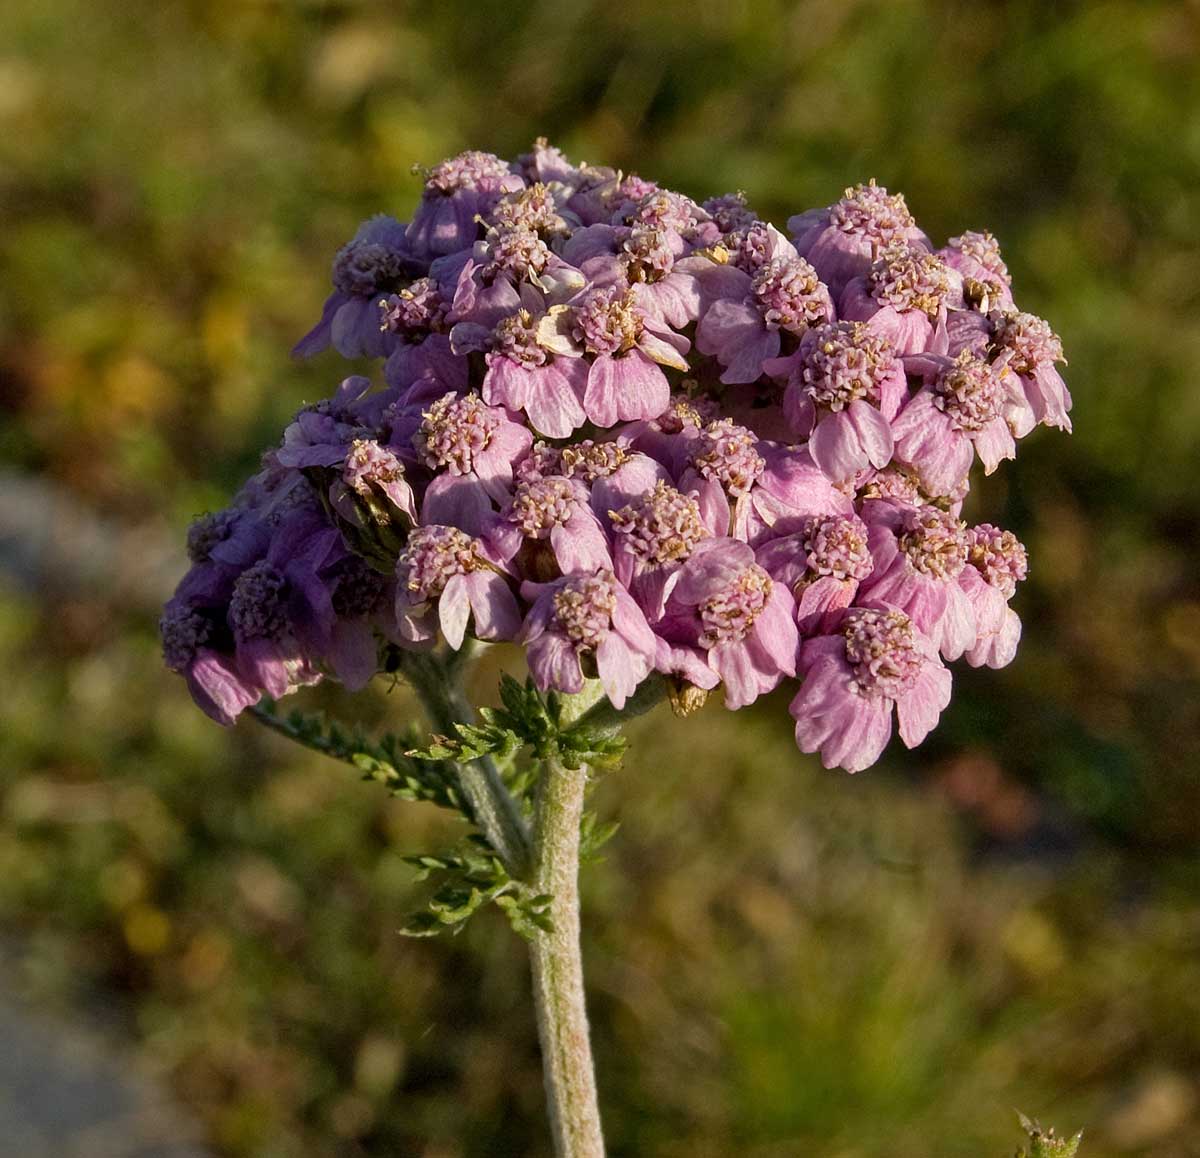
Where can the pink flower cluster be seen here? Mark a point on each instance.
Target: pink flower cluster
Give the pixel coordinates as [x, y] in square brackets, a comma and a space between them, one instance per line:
[638, 434]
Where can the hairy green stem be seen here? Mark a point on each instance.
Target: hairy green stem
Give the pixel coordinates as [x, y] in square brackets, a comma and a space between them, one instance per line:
[496, 813]
[603, 717]
[558, 966]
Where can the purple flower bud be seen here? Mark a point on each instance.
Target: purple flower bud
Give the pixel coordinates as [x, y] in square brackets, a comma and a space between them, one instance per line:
[607, 321]
[535, 209]
[587, 616]
[934, 542]
[257, 609]
[364, 268]
[1026, 345]
[661, 528]
[433, 556]
[999, 556]
[882, 652]
[413, 312]
[910, 279]
[725, 452]
[791, 295]
[729, 614]
[730, 212]
[843, 240]
[852, 680]
[183, 631]
[208, 531]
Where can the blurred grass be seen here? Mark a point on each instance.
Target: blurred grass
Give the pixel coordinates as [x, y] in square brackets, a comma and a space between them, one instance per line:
[783, 961]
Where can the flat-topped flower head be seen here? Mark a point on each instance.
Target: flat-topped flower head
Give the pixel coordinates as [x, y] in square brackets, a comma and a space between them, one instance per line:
[658, 435]
[791, 295]
[729, 614]
[836, 545]
[999, 556]
[660, 528]
[882, 652]
[1028, 341]
[970, 393]
[726, 452]
[934, 542]
[257, 606]
[843, 362]
[608, 321]
[872, 212]
[907, 278]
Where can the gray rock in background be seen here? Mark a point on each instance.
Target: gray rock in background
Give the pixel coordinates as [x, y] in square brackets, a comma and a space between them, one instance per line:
[65, 1094]
[67, 1090]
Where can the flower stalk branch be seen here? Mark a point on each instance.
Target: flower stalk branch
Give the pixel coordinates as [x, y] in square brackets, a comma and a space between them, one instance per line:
[493, 808]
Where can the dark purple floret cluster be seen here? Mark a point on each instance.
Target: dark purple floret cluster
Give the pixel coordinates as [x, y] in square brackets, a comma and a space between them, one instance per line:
[635, 434]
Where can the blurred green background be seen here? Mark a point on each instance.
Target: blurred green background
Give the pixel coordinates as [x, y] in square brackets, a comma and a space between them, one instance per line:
[783, 961]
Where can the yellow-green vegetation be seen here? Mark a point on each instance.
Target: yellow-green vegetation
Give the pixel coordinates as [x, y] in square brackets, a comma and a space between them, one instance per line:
[783, 961]
[1045, 1143]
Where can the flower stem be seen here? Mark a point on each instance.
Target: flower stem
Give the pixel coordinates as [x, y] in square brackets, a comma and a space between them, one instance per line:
[558, 966]
[493, 808]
